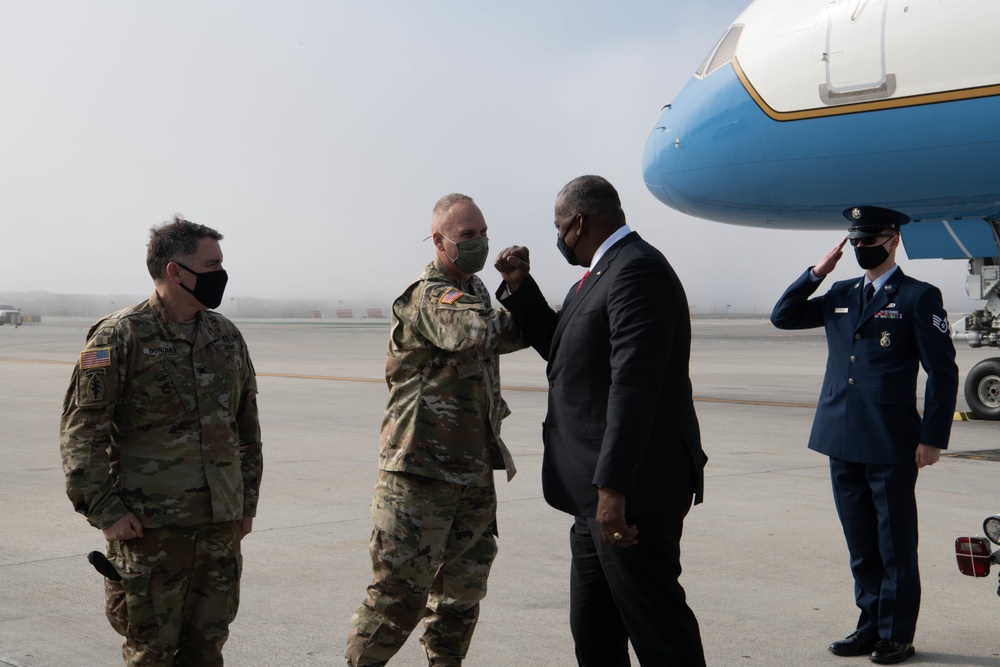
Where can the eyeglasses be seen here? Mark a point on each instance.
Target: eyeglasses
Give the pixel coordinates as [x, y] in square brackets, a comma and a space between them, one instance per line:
[869, 240]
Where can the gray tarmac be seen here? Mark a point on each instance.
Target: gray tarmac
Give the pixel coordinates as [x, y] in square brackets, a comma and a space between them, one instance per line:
[766, 569]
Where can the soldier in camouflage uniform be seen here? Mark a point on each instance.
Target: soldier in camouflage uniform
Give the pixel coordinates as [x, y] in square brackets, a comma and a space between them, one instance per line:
[161, 450]
[435, 504]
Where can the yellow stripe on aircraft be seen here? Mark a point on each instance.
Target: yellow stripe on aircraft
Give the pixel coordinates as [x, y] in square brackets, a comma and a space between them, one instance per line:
[861, 107]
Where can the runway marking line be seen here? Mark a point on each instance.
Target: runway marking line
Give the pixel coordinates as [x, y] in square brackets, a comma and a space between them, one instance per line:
[337, 378]
[736, 401]
[37, 361]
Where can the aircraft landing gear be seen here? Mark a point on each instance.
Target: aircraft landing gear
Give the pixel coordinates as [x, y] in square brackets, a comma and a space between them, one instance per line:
[982, 329]
[982, 389]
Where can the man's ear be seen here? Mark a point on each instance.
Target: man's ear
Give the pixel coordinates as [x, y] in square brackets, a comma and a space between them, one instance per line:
[173, 272]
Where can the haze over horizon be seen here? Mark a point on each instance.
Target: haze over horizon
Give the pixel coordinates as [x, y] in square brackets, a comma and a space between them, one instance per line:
[316, 136]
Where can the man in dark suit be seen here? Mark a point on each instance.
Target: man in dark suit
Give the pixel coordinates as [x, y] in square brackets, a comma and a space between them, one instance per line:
[622, 445]
[878, 328]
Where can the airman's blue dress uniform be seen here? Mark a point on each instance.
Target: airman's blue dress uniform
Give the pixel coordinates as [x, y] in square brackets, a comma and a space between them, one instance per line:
[868, 424]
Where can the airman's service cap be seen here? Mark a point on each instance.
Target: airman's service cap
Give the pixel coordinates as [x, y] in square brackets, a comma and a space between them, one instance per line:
[873, 220]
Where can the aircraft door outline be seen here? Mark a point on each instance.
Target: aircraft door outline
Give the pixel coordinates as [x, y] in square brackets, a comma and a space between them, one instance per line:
[854, 53]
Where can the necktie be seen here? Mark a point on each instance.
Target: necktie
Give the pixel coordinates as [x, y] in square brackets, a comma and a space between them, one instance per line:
[869, 293]
[580, 284]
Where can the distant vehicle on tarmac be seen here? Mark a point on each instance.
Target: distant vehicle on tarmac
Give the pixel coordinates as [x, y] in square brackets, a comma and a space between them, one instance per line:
[10, 315]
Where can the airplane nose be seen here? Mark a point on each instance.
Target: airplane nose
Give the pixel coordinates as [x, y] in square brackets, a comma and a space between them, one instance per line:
[652, 170]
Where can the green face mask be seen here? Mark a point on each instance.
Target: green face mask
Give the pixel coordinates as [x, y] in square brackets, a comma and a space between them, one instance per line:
[472, 254]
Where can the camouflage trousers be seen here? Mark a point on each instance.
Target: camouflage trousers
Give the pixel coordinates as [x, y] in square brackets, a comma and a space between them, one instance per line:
[179, 592]
[431, 548]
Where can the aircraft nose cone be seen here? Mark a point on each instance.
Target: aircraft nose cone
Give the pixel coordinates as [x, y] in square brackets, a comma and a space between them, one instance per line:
[652, 156]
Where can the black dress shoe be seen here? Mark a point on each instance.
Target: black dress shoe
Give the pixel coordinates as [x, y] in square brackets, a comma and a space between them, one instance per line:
[853, 644]
[888, 652]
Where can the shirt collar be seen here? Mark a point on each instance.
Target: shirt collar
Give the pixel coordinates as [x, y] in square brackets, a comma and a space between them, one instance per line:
[618, 235]
[882, 279]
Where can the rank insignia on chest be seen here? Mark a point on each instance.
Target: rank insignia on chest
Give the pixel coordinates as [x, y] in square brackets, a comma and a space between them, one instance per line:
[451, 296]
[96, 358]
[885, 342]
[888, 314]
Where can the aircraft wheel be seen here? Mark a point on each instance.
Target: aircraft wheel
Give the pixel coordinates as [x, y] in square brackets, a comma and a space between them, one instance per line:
[982, 389]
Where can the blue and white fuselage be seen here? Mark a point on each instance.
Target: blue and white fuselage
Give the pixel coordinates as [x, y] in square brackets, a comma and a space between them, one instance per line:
[807, 108]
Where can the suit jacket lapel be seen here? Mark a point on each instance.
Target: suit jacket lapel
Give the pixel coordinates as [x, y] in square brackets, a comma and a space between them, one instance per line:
[596, 272]
[854, 301]
[881, 297]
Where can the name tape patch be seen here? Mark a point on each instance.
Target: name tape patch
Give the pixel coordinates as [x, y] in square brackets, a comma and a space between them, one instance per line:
[159, 349]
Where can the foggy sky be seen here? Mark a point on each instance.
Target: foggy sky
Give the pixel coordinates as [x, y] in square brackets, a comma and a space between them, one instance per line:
[316, 136]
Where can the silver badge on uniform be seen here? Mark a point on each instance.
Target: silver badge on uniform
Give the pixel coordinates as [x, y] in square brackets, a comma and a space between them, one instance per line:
[885, 342]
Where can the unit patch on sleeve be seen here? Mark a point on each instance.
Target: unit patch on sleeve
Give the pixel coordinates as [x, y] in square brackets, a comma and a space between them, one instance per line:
[451, 296]
[96, 358]
[94, 387]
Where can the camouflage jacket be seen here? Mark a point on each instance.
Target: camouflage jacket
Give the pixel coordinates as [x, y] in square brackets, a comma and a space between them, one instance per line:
[442, 419]
[160, 425]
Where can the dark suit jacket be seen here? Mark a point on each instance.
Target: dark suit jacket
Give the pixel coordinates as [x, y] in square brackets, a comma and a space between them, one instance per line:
[867, 410]
[620, 410]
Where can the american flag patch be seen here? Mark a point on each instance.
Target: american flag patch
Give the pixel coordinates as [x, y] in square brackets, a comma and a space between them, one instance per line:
[96, 358]
[451, 296]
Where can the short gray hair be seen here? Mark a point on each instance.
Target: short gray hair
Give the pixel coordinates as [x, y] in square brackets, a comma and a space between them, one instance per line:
[590, 195]
[444, 204]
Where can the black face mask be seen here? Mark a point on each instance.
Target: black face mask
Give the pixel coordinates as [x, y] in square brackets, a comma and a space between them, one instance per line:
[566, 251]
[209, 286]
[871, 256]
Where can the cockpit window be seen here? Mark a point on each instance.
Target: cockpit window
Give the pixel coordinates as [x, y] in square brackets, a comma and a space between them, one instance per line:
[722, 53]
